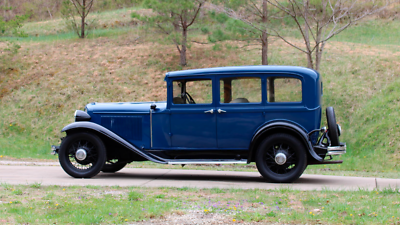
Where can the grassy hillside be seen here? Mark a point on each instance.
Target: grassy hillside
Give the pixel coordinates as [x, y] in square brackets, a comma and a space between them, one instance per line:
[55, 73]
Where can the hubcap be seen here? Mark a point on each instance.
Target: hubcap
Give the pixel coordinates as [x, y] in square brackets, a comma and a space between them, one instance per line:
[81, 154]
[280, 158]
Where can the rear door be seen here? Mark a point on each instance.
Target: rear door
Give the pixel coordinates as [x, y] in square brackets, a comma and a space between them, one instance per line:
[239, 110]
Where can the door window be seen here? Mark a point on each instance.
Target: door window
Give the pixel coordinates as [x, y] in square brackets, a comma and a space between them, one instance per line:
[240, 90]
[192, 91]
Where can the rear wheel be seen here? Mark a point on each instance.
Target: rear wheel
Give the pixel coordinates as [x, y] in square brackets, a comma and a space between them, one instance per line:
[333, 130]
[281, 158]
[112, 166]
[82, 155]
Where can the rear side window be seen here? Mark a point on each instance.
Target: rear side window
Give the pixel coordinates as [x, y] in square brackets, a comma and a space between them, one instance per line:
[284, 89]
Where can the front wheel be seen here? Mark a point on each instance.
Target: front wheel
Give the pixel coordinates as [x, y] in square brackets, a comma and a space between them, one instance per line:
[281, 158]
[82, 155]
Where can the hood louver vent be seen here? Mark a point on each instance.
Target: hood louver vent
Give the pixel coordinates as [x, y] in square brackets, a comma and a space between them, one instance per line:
[128, 127]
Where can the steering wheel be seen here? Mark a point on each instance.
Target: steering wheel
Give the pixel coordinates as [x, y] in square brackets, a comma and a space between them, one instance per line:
[190, 99]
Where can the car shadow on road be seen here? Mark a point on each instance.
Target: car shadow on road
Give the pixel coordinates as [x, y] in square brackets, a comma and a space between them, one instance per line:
[248, 178]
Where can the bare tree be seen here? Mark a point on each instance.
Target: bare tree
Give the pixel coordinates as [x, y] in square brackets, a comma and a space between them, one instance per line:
[321, 21]
[252, 12]
[174, 17]
[317, 22]
[82, 9]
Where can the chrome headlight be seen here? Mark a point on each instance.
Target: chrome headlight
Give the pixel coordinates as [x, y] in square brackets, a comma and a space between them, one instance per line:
[81, 116]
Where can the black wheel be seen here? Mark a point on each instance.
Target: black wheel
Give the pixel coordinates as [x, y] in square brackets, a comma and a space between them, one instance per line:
[82, 155]
[112, 166]
[333, 130]
[281, 158]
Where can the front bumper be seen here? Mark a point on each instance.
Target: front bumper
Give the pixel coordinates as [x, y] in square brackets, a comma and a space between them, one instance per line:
[55, 149]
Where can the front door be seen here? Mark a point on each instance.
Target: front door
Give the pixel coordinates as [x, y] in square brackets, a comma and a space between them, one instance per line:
[193, 117]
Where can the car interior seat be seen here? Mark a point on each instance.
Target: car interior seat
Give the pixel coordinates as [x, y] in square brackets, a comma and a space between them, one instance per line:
[178, 100]
[240, 100]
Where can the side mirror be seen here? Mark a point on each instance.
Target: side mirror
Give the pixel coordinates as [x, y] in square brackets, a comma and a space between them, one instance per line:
[153, 106]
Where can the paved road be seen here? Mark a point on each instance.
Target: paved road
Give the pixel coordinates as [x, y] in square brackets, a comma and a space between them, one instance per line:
[54, 175]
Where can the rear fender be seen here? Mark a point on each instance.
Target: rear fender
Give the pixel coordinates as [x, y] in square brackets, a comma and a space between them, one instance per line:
[286, 127]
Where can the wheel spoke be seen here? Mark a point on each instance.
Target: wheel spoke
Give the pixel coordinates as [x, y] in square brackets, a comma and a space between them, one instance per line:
[291, 160]
[91, 158]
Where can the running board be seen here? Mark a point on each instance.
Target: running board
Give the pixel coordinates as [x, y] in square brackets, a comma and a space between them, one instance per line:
[206, 161]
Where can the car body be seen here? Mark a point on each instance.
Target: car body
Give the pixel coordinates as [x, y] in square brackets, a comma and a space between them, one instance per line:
[270, 115]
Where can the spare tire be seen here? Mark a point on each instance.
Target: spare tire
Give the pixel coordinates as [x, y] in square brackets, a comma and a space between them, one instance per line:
[333, 131]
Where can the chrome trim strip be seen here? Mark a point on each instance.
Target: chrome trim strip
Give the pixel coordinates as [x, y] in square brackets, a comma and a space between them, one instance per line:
[207, 161]
[151, 128]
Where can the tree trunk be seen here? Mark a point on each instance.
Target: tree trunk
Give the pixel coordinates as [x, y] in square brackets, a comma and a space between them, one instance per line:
[264, 36]
[318, 58]
[307, 36]
[183, 49]
[83, 19]
[318, 48]
[310, 63]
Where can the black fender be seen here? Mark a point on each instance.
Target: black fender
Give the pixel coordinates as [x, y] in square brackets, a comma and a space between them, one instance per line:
[281, 125]
[102, 130]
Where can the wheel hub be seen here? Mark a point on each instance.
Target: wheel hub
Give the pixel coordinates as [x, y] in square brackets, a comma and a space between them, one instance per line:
[81, 154]
[280, 158]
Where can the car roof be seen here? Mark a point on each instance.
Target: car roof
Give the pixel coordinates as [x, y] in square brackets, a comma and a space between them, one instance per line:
[244, 70]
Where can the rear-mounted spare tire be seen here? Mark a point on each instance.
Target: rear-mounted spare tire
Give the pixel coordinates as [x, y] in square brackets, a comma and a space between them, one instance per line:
[333, 130]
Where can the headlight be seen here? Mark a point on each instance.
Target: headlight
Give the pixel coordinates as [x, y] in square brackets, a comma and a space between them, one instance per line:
[81, 116]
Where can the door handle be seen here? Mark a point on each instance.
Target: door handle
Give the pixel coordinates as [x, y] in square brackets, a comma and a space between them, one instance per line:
[221, 111]
[209, 111]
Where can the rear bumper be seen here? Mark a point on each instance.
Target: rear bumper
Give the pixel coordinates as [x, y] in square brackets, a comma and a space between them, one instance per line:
[323, 150]
[337, 150]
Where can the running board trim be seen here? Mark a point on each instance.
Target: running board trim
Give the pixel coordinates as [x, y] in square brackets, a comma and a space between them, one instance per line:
[206, 161]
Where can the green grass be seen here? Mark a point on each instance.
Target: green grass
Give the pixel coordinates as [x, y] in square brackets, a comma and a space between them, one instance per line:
[372, 32]
[105, 205]
[100, 20]
[25, 147]
[95, 33]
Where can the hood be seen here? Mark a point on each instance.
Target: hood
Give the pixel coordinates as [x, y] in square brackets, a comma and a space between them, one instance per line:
[124, 107]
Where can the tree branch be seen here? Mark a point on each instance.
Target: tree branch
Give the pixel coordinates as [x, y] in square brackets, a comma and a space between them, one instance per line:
[287, 42]
[76, 7]
[89, 6]
[195, 15]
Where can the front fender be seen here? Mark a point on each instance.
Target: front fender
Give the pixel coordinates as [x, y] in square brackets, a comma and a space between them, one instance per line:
[102, 130]
[282, 125]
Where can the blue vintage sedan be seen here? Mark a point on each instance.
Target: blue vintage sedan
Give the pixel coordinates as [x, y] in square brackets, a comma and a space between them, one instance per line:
[270, 115]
